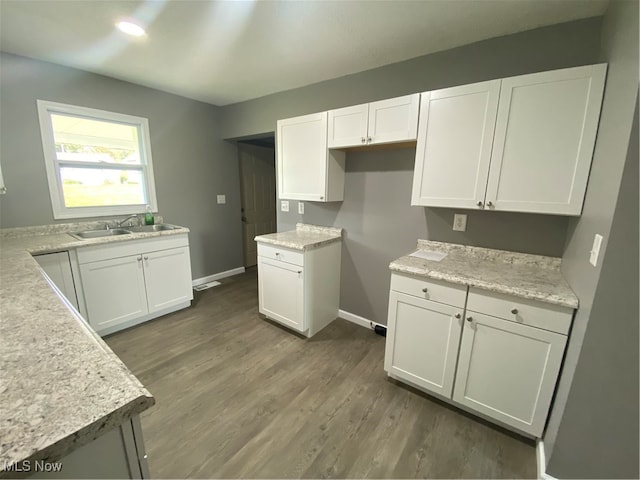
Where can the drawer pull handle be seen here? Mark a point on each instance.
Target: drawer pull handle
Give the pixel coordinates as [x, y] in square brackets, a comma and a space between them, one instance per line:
[458, 316]
[514, 311]
[469, 319]
[424, 290]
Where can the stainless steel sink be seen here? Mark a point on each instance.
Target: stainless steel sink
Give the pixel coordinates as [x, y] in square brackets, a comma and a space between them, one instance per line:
[100, 233]
[152, 228]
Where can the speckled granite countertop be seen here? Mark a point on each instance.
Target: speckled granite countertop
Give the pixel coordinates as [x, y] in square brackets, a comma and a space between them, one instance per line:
[61, 385]
[532, 277]
[304, 237]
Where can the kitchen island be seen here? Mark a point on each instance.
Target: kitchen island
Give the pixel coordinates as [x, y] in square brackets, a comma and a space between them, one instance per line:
[62, 387]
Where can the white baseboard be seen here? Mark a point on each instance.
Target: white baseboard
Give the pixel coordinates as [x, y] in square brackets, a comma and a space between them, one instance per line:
[542, 462]
[217, 276]
[358, 320]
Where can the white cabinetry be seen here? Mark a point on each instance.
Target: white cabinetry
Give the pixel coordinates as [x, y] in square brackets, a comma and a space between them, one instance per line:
[520, 144]
[57, 266]
[503, 363]
[387, 121]
[423, 335]
[131, 282]
[299, 289]
[307, 169]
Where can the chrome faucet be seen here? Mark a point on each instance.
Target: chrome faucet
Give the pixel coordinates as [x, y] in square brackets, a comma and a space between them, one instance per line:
[130, 217]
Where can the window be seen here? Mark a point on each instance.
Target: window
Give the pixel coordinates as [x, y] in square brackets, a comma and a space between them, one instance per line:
[98, 163]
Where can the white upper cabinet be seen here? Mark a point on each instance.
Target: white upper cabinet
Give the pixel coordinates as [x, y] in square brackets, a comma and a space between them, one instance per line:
[307, 169]
[529, 151]
[545, 134]
[387, 121]
[454, 145]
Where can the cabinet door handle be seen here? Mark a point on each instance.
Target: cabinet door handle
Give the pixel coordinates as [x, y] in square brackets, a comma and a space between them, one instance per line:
[514, 311]
[469, 319]
[146, 258]
[490, 204]
[139, 258]
[458, 316]
[364, 140]
[369, 140]
[479, 204]
[299, 272]
[425, 290]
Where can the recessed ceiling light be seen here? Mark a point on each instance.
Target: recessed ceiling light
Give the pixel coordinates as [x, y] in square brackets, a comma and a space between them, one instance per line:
[131, 28]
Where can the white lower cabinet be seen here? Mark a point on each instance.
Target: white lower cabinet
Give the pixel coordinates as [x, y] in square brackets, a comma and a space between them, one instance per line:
[508, 371]
[57, 266]
[422, 342]
[130, 282]
[502, 363]
[299, 289]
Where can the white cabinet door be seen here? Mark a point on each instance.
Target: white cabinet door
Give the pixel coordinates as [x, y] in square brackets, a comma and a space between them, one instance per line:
[114, 291]
[307, 169]
[167, 275]
[281, 294]
[58, 267]
[508, 371]
[394, 120]
[545, 134]
[422, 342]
[454, 145]
[348, 126]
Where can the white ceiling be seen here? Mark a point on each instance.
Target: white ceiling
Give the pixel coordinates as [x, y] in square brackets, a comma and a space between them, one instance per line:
[224, 52]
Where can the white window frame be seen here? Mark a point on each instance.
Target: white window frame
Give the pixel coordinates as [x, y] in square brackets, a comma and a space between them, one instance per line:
[60, 211]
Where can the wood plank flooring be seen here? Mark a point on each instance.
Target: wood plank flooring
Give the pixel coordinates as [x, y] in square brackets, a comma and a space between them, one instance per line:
[241, 397]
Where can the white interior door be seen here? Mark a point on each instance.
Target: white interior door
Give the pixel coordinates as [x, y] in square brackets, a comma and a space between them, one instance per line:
[258, 196]
[508, 371]
[394, 119]
[280, 292]
[545, 134]
[422, 342]
[454, 145]
[348, 126]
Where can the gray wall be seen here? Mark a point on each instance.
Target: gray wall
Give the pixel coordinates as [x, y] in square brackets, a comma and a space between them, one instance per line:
[598, 436]
[379, 222]
[191, 163]
[620, 50]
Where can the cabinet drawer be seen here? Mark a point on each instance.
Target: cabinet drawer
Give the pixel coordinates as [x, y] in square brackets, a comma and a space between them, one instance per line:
[527, 312]
[283, 254]
[434, 290]
[128, 247]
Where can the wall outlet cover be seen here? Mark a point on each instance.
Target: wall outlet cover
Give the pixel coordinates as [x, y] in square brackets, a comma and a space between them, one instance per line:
[284, 205]
[301, 208]
[460, 222]
[222, 198]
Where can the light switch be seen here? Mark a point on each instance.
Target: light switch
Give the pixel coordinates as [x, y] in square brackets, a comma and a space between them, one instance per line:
[460, 222]
[301, 208]
[595, 250]
[222, 199]
[284, 205]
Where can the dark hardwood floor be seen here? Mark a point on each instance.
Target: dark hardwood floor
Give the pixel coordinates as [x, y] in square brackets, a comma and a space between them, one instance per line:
[240, 397]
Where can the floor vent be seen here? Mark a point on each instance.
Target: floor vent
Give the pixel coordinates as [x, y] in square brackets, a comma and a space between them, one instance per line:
[204, 286]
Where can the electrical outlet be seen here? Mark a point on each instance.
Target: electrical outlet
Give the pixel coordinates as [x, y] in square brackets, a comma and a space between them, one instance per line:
[222, 198]
[284, 205]
[595, 250]
[460, 222]
[301, 208]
